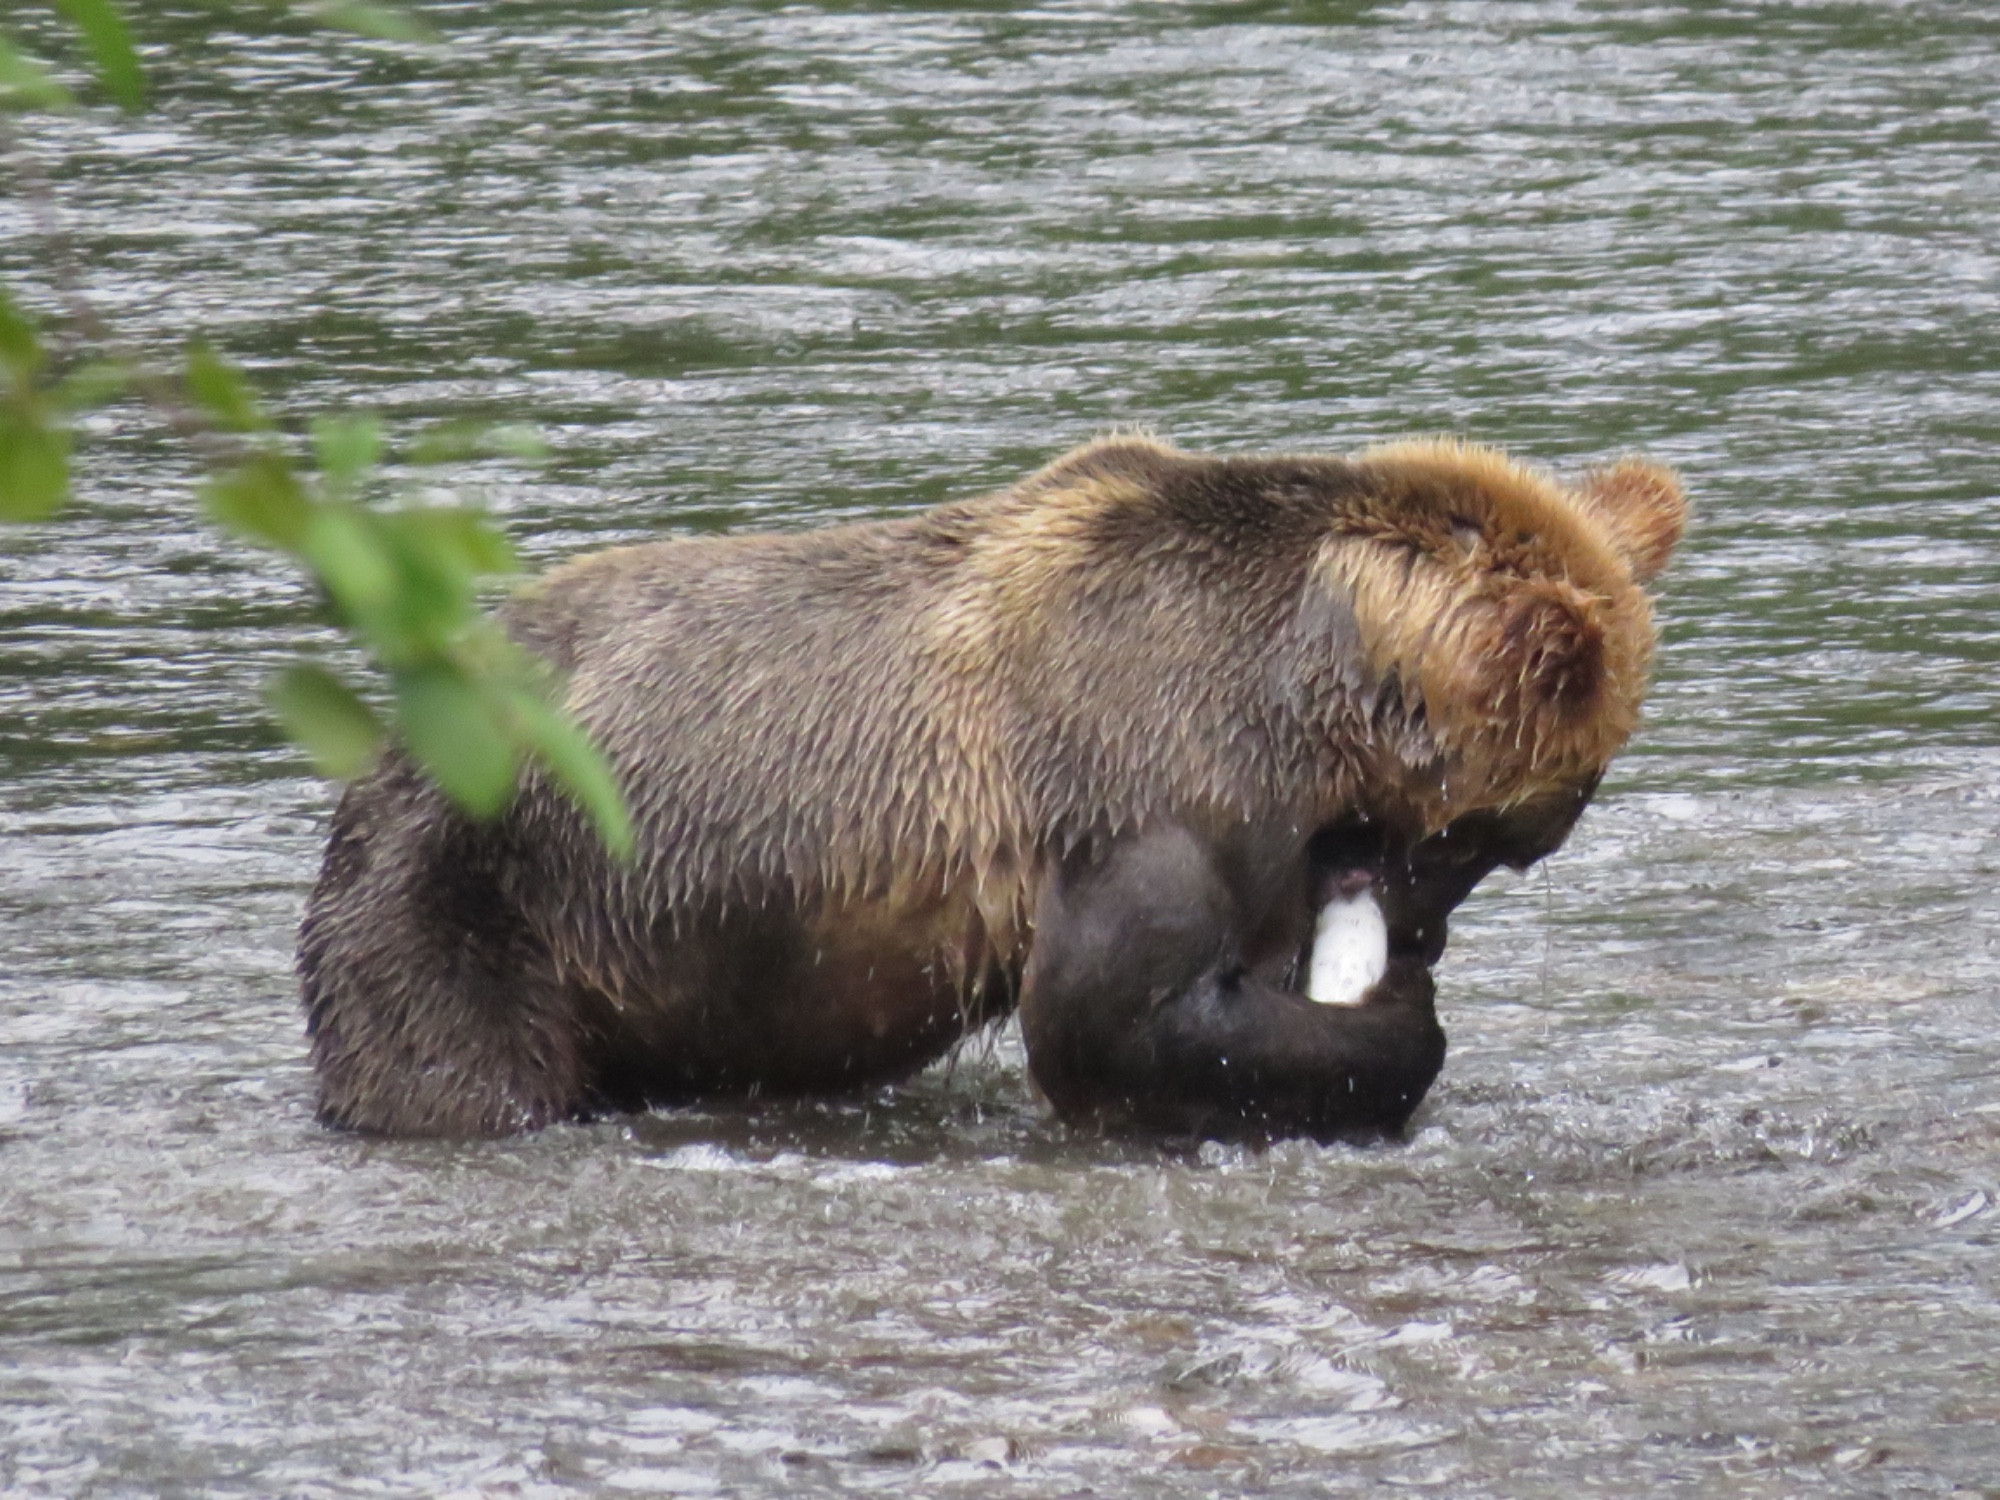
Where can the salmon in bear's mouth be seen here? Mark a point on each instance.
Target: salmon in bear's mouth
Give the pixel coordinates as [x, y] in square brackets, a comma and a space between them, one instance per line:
[1350, 943]
[1382, 906]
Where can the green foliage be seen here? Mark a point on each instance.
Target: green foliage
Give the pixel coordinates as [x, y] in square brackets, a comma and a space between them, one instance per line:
[26, 84]
[456, 441]
[456, 731]
[221, 391]
[404, 580]
[110, 47]
[326, 718]
[34, 467]
[576, 764]
[34, 443]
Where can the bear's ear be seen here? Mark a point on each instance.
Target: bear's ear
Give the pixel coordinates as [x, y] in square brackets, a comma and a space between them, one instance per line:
[1642, 508]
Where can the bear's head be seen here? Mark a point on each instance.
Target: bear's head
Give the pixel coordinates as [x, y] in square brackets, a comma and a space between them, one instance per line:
[1501, 633]
[1422, 656]
[1479, 644]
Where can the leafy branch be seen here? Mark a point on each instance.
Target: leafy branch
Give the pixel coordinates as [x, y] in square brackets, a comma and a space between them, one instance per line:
[403, 581]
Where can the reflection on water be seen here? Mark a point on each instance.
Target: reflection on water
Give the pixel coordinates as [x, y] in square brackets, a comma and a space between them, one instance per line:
[1708, 1200]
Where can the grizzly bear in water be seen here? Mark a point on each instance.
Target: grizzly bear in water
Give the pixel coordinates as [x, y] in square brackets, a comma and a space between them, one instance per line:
[1115, 747]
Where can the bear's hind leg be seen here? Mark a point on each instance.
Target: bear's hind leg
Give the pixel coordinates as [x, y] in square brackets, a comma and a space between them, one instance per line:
[432, 1008]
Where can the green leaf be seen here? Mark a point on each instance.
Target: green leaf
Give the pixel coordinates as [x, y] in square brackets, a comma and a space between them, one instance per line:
[26, 84]
[34, 465]
[435, 603]
[447, 442]
[516, 440]
[459, 539]
[460, 439]
[578, 765]
[262, 501]
[20, 345]
[111, 51]
[92, 385]
[322, 715]
[343, 546]
[348, 448]
[383, 21]
[450, 726]
[219, 388]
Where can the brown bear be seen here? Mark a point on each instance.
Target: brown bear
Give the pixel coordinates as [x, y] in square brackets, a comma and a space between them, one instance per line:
[1104, 748]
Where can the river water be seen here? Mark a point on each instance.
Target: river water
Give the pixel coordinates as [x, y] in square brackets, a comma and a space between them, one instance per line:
[1708, 1199]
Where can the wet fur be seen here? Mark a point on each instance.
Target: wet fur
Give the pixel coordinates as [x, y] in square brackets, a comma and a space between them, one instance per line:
[855, 755]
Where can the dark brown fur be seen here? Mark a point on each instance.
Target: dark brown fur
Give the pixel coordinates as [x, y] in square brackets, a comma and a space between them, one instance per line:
[856, 757]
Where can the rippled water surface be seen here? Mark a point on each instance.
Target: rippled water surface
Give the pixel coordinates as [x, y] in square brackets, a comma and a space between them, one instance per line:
[1708, 1200]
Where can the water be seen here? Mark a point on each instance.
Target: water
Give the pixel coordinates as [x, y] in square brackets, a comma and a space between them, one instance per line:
[1708, 1200]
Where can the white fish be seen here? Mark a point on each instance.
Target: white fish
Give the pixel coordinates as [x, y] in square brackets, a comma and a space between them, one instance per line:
[1350, 949]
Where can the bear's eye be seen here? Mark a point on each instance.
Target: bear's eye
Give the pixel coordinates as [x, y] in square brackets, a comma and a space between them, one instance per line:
[1466, 532]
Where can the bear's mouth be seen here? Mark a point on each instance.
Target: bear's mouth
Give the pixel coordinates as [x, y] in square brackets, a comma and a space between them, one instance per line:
[1382, 904]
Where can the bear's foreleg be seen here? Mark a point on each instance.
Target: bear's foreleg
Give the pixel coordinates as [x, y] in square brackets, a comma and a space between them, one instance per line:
[1138, 1010]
